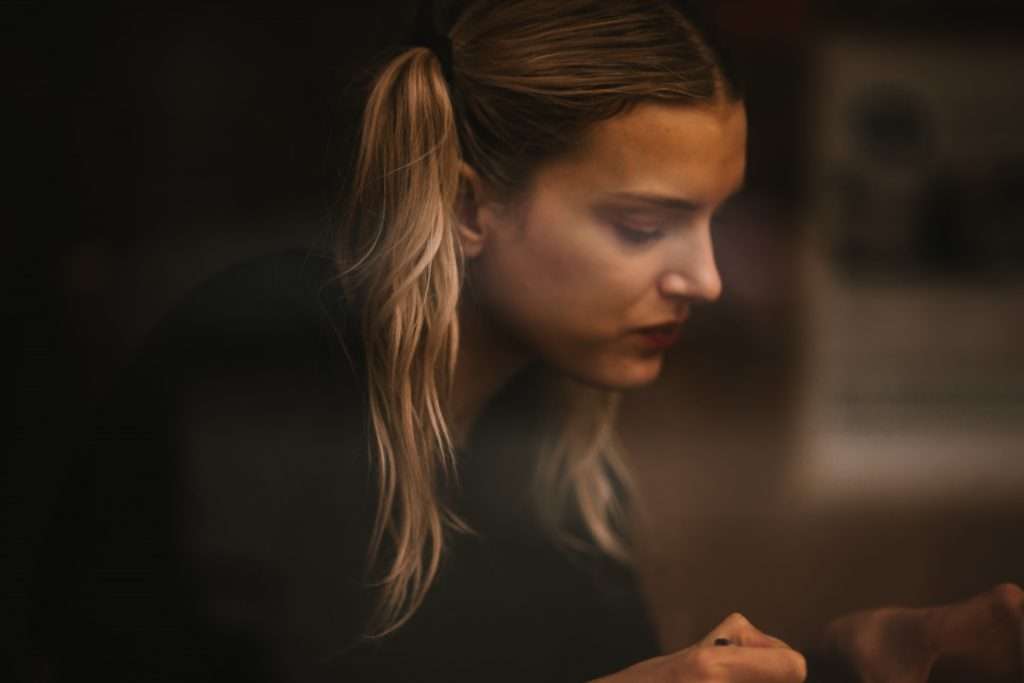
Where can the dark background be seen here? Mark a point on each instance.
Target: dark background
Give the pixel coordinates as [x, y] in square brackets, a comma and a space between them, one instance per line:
[154, 144]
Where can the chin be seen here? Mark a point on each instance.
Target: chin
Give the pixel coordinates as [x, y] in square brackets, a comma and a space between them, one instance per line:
[623, 374]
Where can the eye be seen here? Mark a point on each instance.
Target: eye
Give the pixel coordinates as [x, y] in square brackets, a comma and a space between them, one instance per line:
[634, 235]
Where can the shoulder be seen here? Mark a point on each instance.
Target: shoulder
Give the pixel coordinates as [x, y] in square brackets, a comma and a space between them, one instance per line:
[262, 305]
[248, 402]
[258, 374]
[256, 351]
[269, 323]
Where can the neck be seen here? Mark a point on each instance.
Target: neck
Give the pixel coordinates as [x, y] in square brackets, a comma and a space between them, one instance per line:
[487, 360]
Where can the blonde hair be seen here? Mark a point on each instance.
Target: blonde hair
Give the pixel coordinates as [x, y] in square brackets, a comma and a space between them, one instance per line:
[530, 77]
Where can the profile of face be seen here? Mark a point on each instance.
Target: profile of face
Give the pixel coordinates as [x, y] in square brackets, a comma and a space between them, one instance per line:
[594, 270]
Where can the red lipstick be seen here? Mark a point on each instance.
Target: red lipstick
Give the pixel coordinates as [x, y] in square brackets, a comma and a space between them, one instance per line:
[661, 336]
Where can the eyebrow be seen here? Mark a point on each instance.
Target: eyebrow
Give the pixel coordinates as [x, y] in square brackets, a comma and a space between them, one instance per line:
[665, 201]
[661, 201]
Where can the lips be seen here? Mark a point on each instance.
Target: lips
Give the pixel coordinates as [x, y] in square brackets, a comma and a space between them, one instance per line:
[661, 336]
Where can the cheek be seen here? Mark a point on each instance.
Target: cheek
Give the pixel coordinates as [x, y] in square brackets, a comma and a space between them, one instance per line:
[572, 301]
[574, 307]
[583, 276]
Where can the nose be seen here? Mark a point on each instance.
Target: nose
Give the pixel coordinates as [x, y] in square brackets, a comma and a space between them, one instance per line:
[692, 272]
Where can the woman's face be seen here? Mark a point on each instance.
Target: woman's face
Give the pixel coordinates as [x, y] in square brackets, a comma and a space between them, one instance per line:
[595, 269]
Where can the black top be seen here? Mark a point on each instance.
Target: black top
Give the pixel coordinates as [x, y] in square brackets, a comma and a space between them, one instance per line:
[217, 527]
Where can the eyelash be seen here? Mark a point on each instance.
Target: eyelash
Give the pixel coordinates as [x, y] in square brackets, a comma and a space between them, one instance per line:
[636, 237]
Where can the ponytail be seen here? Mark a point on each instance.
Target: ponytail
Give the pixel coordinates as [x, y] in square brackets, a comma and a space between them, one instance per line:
[403, 270]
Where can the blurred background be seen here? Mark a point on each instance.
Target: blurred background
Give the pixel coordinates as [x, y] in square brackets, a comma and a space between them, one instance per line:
[844, 429]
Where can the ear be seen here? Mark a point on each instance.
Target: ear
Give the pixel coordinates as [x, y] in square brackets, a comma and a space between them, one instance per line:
[473, 211]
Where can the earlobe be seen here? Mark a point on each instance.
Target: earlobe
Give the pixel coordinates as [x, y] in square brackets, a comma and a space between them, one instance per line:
[470, 212]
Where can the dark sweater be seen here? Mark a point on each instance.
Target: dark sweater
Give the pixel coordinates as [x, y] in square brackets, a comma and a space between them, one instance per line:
[217, 526]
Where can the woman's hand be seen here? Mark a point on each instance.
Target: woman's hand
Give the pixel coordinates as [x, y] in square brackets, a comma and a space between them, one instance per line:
[978, 640]
[750, 657]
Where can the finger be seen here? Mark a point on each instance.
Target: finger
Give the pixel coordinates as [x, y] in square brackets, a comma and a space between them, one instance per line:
[738, 630]
[731, 628]
[750, 664]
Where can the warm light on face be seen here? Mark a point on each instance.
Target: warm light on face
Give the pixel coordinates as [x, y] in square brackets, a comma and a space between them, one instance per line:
[613, 240]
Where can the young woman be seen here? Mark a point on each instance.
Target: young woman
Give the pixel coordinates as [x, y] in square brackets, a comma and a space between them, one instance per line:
[399, 463]
[533, 201]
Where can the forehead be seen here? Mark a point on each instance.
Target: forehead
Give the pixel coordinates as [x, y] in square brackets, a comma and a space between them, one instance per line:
[697, 153]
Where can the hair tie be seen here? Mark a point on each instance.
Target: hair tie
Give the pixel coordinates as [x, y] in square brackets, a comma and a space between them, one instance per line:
[425, 34]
